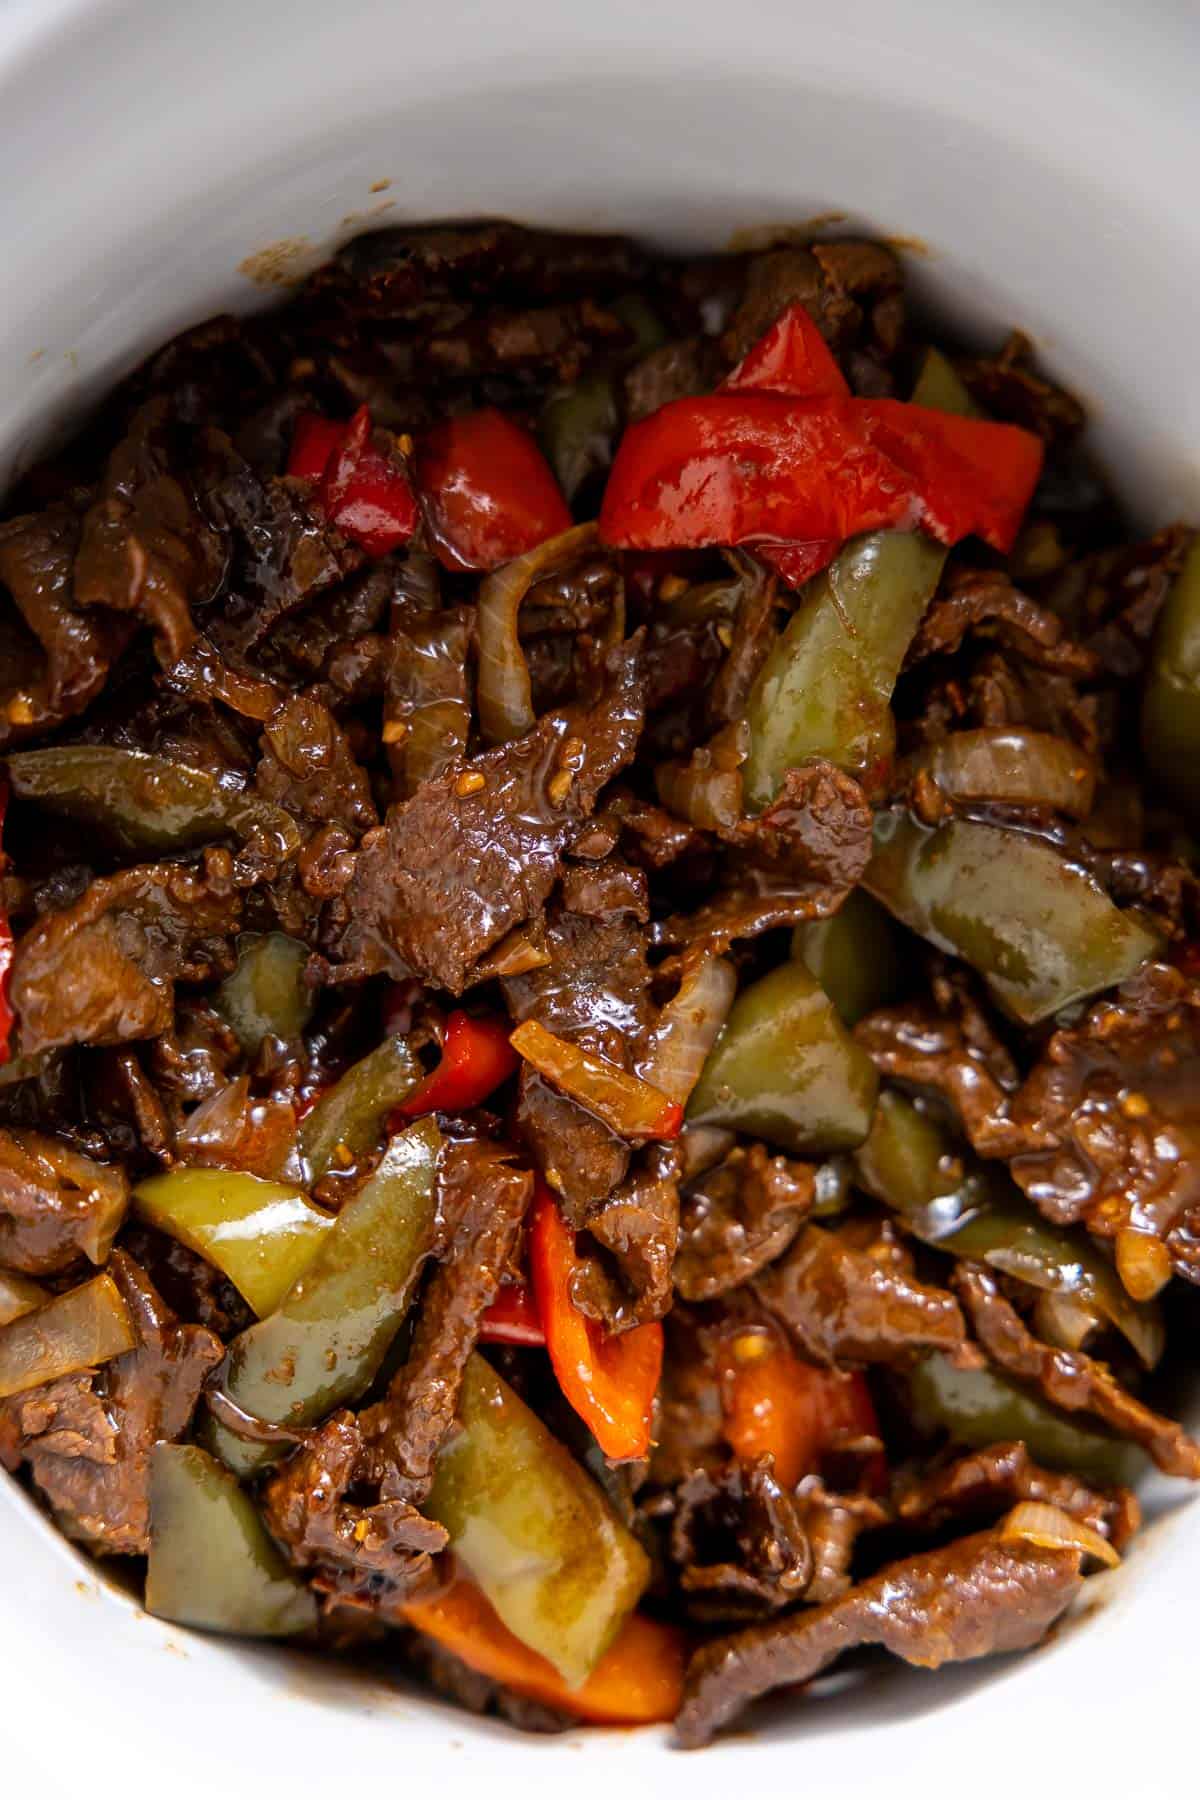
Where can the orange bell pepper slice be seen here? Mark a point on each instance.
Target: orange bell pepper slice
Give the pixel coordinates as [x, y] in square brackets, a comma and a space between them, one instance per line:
[611, 1381]
[775, 1404]
[638, 1680]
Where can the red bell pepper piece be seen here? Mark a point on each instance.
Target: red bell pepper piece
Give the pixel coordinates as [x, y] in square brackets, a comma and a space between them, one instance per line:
[358, 488]
[512, 1318]
[476, 1058]
[610, 1381]
[314, 440]
[768, 470]
[790, 358]
[775, 1404]
[6, 946]
[488, 492]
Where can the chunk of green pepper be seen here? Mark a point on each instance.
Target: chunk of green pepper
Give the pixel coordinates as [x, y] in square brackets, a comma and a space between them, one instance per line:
[266, 995]
[324, 1344]
[857, 955]
[941, 386]
[786, 1069]
[1039, 929]
[143, 802]
[533, 1529]
[825, 689]
[261, 1234]
[950, 1199]
[212, 1564]
[349, 1119]
[77, 1330]
[18, 1295]
[577, 429]
[1171, 699]
[978, 1407]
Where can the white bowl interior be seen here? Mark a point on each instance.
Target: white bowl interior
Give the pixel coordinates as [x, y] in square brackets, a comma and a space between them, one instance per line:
[1041, 162]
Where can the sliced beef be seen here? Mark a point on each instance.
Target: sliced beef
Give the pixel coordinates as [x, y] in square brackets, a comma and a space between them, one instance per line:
[56, 1206]
[593, 991]
[833, 1524]
[1068, 1378]
[361, 1552]
[1115, 597]
[104, 970]
[738, 1543]
[56, 657]
[690, 1428]
[487, 834]
[146, 547]
[95, 1475]
[816, 831]
[739, 1217]
[978, 1487]
[753, 633]
[637, 1231]
[979, 1596]
[853, 290]
[841, 1304]
[308, 766]
[985, 602]
[1009, 387]
[191, 1287]
[673, 371]
[483, 1200]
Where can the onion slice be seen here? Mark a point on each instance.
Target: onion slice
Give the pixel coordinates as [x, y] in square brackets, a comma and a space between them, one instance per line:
[1050, 1528]
[688, 1025]
[505, 696]
[626, 1104]
[1010, 766]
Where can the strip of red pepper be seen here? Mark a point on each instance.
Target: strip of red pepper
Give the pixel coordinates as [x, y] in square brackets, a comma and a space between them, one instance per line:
[358, 488]
[512, 1318]
[488, 492]
[773, 1403]
[795, 475]
[6, 944]
[610, 1381]
[476, 1058]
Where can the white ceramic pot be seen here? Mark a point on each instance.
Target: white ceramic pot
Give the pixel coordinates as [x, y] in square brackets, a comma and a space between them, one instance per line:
[1045, 159]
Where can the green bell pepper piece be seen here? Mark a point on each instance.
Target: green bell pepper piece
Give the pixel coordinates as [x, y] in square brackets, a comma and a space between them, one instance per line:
[577, 430]
[266, 996]
[1039, 929]
[261, 1234]
[978, 1407]
[324, 1344]
[950, 1199]
[1171, 700]
[825, 689]
[143, 802]
[533, 1530]
[786, 1069]
[857, 955]
[348, 1121]
[211, 1563]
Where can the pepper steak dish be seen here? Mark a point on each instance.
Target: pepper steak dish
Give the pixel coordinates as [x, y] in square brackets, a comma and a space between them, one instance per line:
[602, 990]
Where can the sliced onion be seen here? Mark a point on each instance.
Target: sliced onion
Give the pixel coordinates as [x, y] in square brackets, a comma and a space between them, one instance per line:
[1050, 1528]
[1143, 1263]
[627, 1105]
[77, 1330]
[1065, 1320]
[1011, 766]
[505, 695]
[707, 790]
[19, 1295]
[688, 1025]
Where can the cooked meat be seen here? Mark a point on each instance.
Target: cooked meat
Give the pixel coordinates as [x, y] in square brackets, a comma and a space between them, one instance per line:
[977, 1597]
[379, 688]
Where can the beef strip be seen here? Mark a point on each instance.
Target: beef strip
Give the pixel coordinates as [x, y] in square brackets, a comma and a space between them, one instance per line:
[738, 1543]
[487, 835]
[979, 1596]
[88, 1439]
[307, 765]
[852, 288]
[483, 1200]
[690, 1425]
[846, 1305]
[1114, 598]
[981, 1485]
[59, 664]
[55, 1205]
[833, 1524]
[816, 831]
[104, 970]
[146, 548]
[1009, 387]
[592, 991]
[189, 1284]
[673, 371]
[637, 1227]
[739, 1217]
[1068, 1378]
[984, 601]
